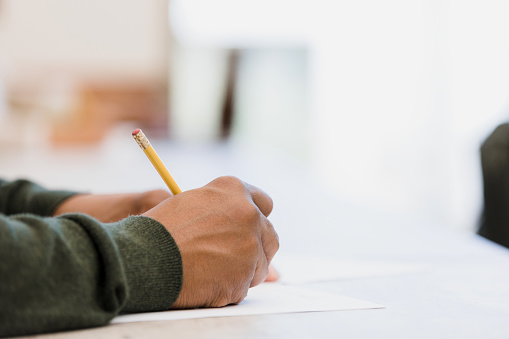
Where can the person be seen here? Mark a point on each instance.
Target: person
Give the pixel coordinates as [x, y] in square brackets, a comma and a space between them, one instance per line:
[494, 223]
[71, 260]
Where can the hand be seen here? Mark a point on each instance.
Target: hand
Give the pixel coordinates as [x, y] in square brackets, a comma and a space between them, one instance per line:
[225, 240]
[112, 207]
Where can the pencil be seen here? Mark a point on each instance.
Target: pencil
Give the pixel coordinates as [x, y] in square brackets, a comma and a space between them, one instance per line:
[151, 154]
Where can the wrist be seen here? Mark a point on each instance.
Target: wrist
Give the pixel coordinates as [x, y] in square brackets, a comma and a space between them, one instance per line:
[69, 204]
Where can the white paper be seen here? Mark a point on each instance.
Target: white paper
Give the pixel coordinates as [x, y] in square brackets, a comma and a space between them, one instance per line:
[267, 298]
[300, 270]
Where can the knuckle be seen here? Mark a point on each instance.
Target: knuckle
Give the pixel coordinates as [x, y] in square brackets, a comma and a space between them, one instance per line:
[249, 211]
[229, 181]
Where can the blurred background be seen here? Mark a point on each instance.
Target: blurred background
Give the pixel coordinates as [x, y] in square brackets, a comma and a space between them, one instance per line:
[379, 104]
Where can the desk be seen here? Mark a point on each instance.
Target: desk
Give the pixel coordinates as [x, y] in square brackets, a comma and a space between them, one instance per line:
[462, 293]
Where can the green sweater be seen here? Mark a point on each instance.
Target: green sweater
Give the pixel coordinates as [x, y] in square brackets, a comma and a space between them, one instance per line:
[72, 271]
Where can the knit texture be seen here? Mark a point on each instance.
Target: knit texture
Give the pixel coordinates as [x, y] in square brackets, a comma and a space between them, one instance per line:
[72, 271]
[23, 196]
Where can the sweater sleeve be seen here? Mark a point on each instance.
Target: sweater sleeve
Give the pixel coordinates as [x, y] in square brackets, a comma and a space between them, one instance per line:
[23, 196]
[71, 272]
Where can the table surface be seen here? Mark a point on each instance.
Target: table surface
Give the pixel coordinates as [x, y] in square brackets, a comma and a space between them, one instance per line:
[462, 291]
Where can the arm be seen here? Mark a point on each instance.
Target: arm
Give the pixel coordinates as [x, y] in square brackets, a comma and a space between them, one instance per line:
[23, 196]
[73, 271]
[112, 207]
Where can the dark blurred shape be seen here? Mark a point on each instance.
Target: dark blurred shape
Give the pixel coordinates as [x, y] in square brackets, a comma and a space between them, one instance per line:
[229, 98]
[495, 169]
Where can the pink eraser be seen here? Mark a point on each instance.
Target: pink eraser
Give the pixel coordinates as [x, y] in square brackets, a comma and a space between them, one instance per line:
[136, 131]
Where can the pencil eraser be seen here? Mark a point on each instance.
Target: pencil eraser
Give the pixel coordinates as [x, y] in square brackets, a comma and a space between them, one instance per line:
[136, 131]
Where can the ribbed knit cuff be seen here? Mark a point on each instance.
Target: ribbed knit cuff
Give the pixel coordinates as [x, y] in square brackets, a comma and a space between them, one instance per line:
[152, 263]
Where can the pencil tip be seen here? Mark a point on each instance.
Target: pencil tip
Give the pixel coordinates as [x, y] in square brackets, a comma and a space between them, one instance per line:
[136, 131]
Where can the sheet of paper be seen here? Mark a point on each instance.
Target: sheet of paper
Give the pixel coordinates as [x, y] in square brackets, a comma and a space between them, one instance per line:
[300, 270]
[267, 298]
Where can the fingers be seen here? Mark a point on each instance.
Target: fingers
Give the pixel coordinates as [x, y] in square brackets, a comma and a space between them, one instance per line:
[270, 241]
[273, 275]
[269, 247]
[261, 271]
[203, 223]
[261, 199]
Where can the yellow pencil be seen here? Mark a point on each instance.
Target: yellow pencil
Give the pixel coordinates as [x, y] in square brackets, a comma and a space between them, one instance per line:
[151, 154]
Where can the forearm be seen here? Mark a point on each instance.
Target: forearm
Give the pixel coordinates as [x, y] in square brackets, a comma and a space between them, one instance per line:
[74, 272]
[112, 207]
